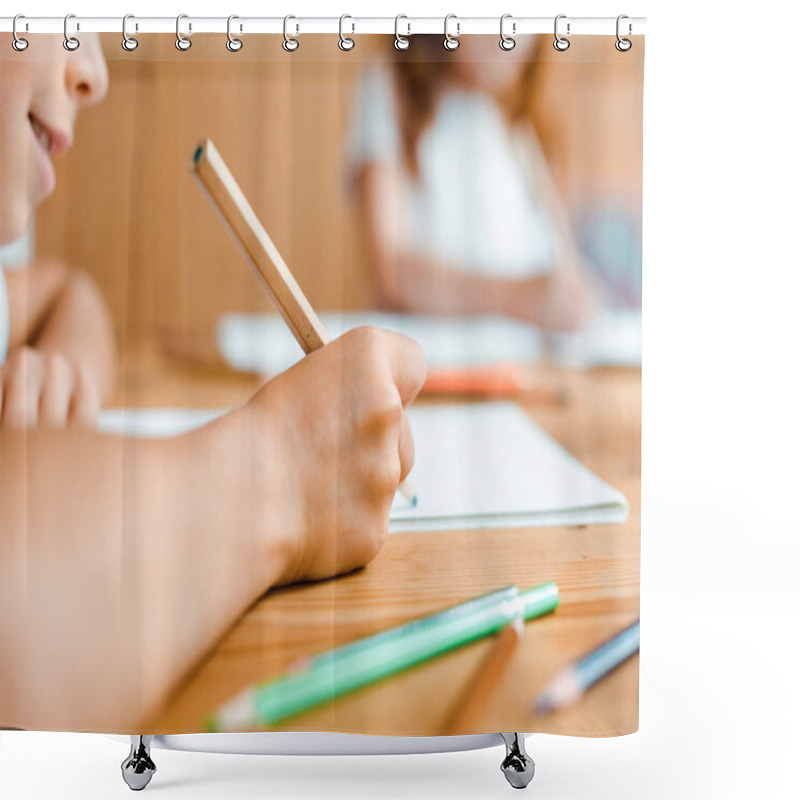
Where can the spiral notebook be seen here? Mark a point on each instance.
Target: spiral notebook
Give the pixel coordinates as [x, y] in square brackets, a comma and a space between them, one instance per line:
[481, 465]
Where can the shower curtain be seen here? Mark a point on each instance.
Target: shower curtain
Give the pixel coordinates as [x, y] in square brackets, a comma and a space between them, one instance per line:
[423, 522]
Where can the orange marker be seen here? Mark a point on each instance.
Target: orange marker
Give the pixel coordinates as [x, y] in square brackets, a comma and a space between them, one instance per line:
[494, 380]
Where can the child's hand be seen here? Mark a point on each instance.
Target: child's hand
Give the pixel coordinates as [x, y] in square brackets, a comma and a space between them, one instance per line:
[43, 388]
[330, 443]
[565, 300]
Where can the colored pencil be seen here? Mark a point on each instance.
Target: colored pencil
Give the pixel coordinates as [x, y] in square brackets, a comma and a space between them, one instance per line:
[224, 192]
[570, 684]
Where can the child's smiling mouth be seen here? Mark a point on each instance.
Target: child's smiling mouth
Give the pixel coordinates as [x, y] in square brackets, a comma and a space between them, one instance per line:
[49, 142]
[52, 140]
[41, 133]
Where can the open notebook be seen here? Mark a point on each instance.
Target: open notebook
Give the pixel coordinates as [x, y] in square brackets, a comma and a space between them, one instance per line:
[482, 465]
[262, 343]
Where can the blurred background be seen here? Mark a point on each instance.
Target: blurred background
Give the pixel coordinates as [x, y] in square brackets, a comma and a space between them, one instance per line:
[128, 211]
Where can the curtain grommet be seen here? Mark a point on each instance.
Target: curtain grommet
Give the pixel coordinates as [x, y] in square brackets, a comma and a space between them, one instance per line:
[346, 43]
[290, 43]
[561, 43]
[129, 43]
[182, 42]
[507, 42]
[623, 45]
[17, 42]
[71, 43]
[451, 42]
[233, 44]
[401, 43]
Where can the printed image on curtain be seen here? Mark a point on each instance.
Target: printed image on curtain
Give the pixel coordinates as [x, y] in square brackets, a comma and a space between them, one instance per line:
[321, 385]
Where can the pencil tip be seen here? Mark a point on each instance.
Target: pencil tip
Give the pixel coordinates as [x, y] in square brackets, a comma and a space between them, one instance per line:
[198, 153]
[541, 706]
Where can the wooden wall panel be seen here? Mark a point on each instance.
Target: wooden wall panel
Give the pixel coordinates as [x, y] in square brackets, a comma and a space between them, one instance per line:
[128, 210]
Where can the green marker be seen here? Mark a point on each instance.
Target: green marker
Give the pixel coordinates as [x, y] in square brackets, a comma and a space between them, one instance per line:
[491, 598]
[366, 661]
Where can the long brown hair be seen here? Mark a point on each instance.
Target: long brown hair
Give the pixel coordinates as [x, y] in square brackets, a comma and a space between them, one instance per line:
[422, 77]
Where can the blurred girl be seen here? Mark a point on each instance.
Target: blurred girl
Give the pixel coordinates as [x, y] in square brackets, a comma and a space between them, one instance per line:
[459, 209]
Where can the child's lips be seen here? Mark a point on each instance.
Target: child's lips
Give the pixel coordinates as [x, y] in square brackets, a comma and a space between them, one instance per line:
[47, 173]
[52, 140]
[48, 141]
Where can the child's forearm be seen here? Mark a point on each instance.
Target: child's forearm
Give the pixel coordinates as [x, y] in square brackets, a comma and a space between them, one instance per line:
[123, 561]
[417, 283]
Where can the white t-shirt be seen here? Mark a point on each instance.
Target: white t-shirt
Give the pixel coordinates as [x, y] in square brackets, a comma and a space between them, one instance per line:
[3, 317]
[474, 203]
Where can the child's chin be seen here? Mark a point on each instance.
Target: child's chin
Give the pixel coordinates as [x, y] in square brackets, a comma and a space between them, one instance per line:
[13, 226]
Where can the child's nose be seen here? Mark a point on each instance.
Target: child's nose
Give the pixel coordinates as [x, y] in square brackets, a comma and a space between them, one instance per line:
[87, 74]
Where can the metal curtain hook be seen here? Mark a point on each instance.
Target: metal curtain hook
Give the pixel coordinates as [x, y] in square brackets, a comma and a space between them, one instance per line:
[623, 45]
[18, 43]
[401, 42]
[129, 43]
[181, 42]
[233, 44]
[451, 42]
[290, 44]
[345, 42]
[561, 43]
[71, 43]
[507, 42]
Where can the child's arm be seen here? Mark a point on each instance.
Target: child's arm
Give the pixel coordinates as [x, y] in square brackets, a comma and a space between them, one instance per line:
[418, 282]
[123, 561]
[62, 356]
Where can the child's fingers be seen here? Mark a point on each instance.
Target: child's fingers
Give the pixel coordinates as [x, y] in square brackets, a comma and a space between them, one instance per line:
[406, 448]
[374, 347]
[85, 406]
[407, 361]
[20, 404]
[57, 391]
[21, 389]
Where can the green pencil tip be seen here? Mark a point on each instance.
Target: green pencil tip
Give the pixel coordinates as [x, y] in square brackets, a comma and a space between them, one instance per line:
[198, 153]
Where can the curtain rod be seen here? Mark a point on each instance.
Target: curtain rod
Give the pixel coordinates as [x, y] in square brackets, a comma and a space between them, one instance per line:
[592, 26]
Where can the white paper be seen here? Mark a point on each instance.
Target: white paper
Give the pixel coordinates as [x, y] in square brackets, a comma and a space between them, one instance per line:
[614, 339]
[477, 465]
[488, 465]
[262, 343]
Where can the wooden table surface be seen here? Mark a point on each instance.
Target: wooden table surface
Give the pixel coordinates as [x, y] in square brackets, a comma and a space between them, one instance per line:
[596, 569]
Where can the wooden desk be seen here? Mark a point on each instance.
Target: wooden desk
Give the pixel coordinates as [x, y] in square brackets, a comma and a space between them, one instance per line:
[596, 569]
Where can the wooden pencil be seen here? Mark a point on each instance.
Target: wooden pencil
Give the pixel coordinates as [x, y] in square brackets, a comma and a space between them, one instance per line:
[466, 713]
[276, 277]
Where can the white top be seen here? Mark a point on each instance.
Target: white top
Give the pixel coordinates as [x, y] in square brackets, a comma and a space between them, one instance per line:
[474, 203]
[3, 317]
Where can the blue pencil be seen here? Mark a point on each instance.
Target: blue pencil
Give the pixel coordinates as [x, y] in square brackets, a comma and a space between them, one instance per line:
[569, 685]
